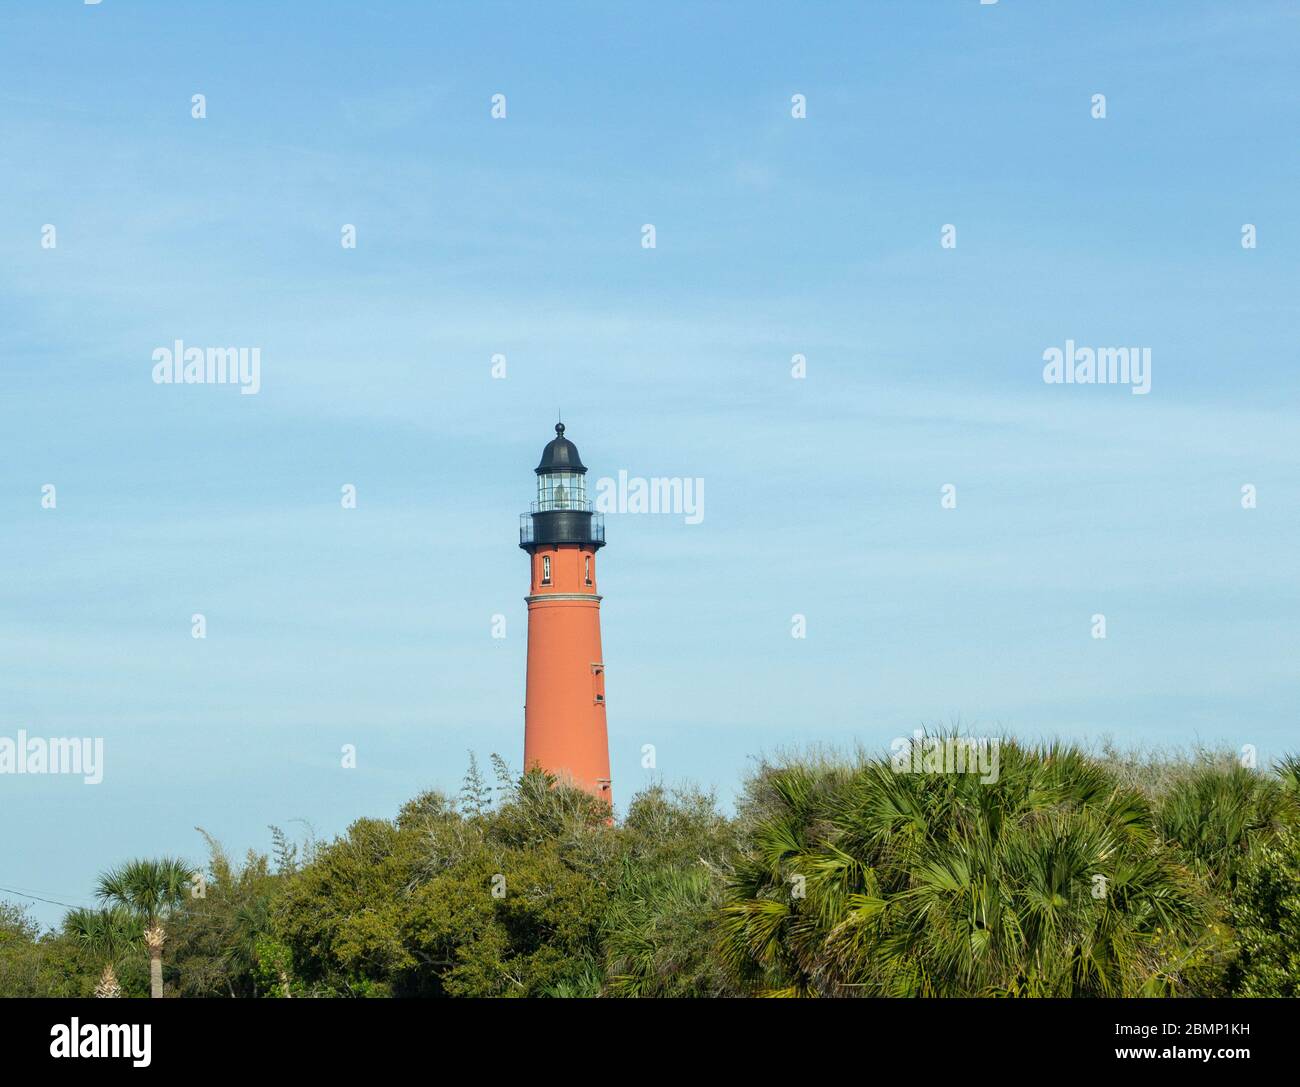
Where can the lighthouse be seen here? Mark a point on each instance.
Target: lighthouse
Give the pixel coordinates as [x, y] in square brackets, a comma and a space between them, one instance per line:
[564, 709]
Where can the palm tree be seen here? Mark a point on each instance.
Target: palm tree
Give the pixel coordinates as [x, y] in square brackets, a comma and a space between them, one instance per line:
[1047, 882]
[105, 934]
[1217, 814]
[150, 890]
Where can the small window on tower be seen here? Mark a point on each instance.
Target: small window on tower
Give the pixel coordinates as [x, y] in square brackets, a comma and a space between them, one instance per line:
[588, 569]
[546, 569]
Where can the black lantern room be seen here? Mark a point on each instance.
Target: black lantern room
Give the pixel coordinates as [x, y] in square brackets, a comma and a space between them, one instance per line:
[562, 513]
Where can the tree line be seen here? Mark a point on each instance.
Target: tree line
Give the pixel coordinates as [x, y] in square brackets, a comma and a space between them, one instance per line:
[1074, 873]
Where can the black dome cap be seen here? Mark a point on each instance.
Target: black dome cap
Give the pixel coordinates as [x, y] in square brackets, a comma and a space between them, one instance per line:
[560, 455]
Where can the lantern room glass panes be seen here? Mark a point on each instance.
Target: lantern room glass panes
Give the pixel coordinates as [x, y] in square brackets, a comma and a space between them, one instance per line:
[561, 491]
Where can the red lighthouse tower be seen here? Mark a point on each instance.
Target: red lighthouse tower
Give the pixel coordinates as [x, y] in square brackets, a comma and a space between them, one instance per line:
[564, 711]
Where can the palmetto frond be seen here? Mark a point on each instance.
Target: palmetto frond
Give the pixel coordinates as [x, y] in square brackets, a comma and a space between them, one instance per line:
[104, 933]
[148, 888]
[1042, 879]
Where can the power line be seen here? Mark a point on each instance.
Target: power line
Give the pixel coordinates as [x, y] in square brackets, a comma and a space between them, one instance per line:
[38, 898]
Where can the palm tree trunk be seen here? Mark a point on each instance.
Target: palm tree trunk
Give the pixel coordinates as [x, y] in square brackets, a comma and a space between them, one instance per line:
[153, 938]
[155, 973]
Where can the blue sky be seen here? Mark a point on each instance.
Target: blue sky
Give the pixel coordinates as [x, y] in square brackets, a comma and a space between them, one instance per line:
[522, 236]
